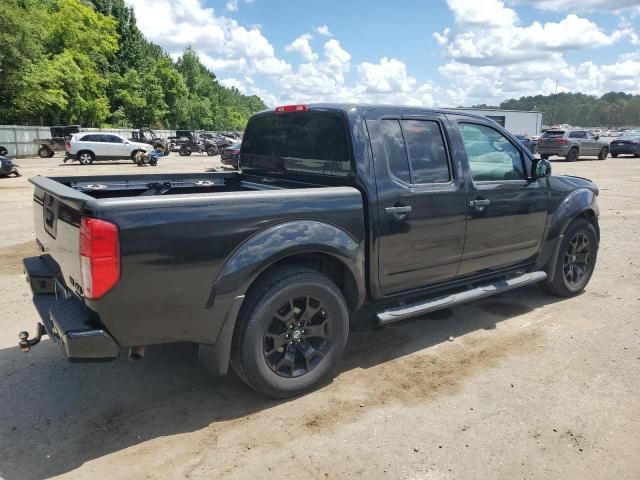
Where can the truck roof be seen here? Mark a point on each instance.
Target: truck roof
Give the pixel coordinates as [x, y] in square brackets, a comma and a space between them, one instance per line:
[363, 107]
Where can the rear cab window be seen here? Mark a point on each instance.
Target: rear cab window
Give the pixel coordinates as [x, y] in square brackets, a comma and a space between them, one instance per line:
[312, 142]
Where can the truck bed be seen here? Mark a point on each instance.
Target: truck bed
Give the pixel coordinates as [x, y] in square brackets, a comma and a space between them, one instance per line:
[118, 186]
[180, 234]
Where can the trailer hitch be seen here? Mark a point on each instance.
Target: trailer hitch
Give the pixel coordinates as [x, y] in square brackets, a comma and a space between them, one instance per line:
[26, 343]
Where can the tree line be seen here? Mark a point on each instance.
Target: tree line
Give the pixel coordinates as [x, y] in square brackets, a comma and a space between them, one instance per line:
[87, 62]
[613, 109]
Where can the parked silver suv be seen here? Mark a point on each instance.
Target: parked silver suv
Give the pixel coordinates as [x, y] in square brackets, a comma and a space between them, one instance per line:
[572, 144]
[87, 147]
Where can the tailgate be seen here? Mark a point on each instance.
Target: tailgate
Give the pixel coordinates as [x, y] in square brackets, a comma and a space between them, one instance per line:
[56, 216]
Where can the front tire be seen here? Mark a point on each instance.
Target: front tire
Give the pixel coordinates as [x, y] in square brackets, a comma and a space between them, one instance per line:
[290, 332]
[614, 155]
[576, 260]
[604, 153]
[545, 156]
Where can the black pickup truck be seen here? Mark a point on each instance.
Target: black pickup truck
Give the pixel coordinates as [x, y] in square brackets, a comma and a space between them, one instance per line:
[337, 209]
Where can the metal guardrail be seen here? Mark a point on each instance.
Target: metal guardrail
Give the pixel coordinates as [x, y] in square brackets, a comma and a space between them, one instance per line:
[18, 139]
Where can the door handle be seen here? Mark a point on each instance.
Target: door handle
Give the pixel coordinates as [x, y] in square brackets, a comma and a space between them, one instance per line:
[398, 212]
[480, 204]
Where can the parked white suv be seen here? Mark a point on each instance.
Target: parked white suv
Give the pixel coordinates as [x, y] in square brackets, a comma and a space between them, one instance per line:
[87, 147]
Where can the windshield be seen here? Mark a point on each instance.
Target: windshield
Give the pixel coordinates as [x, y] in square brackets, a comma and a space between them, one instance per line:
[305, 142]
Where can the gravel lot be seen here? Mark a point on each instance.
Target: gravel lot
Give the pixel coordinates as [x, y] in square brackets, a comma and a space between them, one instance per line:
[530, 387]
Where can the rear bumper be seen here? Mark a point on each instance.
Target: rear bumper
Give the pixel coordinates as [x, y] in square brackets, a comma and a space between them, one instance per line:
[66, 319]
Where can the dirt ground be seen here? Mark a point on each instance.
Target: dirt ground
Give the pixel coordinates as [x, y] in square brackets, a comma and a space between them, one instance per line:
[530, 387]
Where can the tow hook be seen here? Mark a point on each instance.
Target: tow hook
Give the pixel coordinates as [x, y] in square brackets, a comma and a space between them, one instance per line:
[26, 343]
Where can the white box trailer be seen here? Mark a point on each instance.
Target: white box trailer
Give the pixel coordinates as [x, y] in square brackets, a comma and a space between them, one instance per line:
[518, 122]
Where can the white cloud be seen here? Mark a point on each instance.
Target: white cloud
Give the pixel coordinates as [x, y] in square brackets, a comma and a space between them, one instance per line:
[486, 13]
[337, 56]
[324, 30]
[492, 56]
[496, 43]
[390, 75]
[231, 6]
[221, 41]
[303, 47]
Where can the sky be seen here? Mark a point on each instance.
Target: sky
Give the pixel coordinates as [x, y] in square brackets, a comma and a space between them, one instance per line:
[430, 52]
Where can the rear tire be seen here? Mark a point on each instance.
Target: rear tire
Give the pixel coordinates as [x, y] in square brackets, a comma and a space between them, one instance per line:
[573, 155]
[545, 157]
[45, 152]
[86, 157]
[290, 333]
[576, 260]
[3, 152]
[614, 155]
[604, 153]
[212, 151]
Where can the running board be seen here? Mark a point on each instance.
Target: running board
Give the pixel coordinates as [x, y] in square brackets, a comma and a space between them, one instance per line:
[416, 309]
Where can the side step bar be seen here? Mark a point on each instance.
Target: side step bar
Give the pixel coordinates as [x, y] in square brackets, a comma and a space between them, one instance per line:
[416, 309]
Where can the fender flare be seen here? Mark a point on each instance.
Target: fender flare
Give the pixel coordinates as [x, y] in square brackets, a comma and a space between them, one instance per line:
[573, 206]
[277, 242]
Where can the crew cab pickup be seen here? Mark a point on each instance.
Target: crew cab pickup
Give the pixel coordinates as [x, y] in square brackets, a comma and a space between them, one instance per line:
[336, 210]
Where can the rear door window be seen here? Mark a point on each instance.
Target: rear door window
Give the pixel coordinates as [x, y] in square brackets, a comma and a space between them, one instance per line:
[415, 151]
[577, 135]
[427, 153]
[395, 150]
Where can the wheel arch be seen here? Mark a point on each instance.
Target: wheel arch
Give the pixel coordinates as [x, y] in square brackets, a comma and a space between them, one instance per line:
[320, 246]
[581, 203]
[312, 244]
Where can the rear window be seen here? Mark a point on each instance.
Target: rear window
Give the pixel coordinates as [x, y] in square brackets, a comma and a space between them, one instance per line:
[554, 134]
[305, 142]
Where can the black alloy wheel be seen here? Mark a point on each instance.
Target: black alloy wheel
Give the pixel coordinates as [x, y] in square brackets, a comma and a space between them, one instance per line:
[291, 330]
[576, 259]
[297, 337]
[573, 155]
[571, 271]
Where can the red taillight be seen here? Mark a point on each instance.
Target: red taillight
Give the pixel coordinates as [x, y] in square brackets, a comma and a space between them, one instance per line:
[234, 152]
[562, 141]
[292, 108]
[99, 256]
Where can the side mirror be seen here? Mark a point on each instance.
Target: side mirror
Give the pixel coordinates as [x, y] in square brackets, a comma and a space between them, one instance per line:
[541, 168]
[597, 137]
